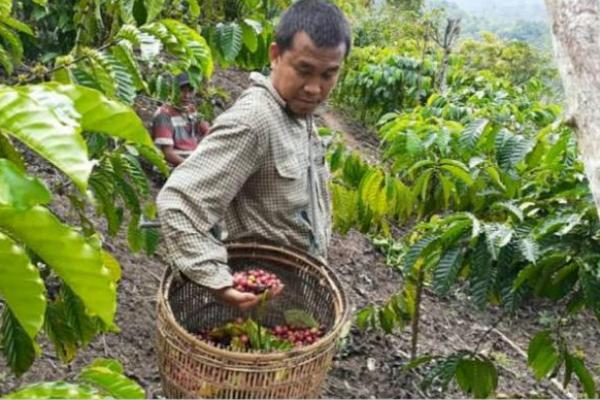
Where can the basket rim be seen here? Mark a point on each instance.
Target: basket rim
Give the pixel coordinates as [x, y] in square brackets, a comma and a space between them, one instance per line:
[324, 342]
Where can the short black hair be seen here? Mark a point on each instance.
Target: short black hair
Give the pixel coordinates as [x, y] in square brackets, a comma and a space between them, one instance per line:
[323, 22]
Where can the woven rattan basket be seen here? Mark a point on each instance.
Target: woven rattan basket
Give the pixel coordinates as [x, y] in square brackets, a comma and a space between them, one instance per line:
[191, 368]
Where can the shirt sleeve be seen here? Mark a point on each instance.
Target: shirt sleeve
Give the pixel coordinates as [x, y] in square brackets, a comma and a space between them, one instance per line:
[162, 130]
[197, 195]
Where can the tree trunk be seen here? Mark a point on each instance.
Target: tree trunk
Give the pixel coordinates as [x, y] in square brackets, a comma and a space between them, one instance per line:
[421, 67]
[576, 38]
[450, 37]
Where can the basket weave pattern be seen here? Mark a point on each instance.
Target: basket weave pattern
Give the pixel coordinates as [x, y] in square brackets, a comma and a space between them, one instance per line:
[192, 368]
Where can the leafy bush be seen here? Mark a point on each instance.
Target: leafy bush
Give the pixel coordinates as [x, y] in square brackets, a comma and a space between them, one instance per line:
[55, 277]
[491, 174]
[394, 83]
[514, 60]
[103, 378]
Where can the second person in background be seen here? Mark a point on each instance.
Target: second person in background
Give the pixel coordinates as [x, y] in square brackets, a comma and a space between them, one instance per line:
[176, 129]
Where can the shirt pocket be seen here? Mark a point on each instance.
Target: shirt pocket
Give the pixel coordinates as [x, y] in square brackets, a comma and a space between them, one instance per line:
[291, 186]
[290, 168]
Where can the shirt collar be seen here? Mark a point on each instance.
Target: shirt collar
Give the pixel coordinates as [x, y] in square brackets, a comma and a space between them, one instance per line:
[260, 80]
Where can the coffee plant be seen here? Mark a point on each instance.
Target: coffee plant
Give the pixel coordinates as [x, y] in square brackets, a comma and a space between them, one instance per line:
[55, 277]
[490, 173]
[389, 84]
[103, 378]
[70, 71]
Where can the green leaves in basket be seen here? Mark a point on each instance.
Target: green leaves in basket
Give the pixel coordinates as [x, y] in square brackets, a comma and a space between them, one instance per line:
[230, 329]
[262, 339]
[300, 319]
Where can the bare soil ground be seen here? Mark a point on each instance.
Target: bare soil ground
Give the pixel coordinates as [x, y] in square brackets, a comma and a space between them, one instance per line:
[368, 364]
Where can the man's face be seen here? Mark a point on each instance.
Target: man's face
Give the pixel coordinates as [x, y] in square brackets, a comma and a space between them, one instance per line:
[186, 93]
[304, 74]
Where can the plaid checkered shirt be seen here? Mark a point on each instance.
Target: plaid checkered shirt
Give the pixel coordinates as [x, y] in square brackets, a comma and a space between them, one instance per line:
[260, 175]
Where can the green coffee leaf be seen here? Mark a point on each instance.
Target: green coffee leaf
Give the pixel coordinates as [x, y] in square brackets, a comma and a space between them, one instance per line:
[300, 319]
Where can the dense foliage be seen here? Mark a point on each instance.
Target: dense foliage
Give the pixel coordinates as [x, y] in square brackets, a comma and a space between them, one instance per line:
[490, 174]
[70, 71]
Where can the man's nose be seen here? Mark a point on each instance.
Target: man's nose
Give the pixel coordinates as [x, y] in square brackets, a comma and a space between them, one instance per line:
[313, 87]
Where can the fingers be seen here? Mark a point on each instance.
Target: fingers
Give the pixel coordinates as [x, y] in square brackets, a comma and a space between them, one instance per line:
[247, 305]
[274, 291]
[246, 297]
[246, 300]
[241, 300]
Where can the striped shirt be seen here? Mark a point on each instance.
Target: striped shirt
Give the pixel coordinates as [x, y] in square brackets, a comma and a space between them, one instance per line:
[171, 127]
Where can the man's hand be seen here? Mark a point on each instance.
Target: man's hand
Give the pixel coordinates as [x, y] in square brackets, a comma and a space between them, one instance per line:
[241, 300]
[171, 156]
[244, 300]
[190, 109]
[203, 128]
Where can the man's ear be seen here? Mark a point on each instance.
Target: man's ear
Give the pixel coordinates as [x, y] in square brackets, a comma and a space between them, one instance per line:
[274, 54]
